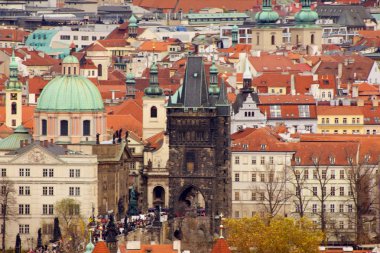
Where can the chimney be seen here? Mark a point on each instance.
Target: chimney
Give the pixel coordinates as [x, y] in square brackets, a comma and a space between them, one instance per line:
[340, 70]
[292, 85]
[355, 91]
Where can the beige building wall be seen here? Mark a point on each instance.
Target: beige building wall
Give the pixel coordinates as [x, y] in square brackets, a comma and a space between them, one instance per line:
[26, 170]
[13, 118]
[310, 38]
[153, 125]
[266, 38]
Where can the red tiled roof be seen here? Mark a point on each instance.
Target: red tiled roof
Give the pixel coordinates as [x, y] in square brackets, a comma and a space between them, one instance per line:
[127, 107]
[273, 63]
[5, 131]
[126, 122]
[156, 140]
[286, 99]
[221, 246]
[95, 47]
[13, 35]
[339, 110]
[101, 247]
[36, 84]
[113, 42]
[157, 46]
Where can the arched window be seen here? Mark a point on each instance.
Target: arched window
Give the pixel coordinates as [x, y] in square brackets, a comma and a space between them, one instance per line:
[312, 39]
[14, 108]
[100, 72]
[153, 112]
[44, 127]
[273, 40]
[323, 94]
[64, 127]
[257, 40]
[69, 70]
[75, 71]
[86, 128]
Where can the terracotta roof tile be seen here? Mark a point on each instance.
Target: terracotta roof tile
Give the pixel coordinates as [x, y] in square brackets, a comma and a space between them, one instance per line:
[339, 110]
[101, 247]
[125, 122]
[95, 47]
[221, 246]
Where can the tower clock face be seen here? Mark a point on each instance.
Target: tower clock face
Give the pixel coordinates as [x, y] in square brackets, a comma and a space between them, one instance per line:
[13, 96]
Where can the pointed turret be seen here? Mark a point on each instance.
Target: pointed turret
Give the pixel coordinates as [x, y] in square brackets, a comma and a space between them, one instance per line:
[153, 89]
[13, 95]
[247, 75]
[213, 89]
[13, 83]
[132, 26]
[130, 84]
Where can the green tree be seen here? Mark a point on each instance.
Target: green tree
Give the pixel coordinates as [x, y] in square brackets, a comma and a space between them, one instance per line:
[73, 227]
[280, 235]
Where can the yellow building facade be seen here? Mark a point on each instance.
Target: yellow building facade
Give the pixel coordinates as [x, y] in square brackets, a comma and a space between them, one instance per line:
[340, 120]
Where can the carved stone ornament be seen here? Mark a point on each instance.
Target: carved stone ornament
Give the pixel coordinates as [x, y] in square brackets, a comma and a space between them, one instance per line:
[36, 156]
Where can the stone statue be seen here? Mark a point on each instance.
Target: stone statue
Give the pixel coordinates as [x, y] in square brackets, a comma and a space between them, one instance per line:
[132, 205]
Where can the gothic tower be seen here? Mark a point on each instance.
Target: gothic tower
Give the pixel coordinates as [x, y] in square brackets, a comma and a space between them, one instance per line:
[13, 96]
[198, 125]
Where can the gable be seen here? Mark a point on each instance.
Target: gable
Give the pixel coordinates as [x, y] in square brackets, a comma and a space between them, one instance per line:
[36, 155]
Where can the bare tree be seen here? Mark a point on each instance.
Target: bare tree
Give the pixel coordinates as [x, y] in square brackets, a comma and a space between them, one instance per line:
[299, 197]
[8, 203]
[320, 174]
[273, 192]
[362, 180]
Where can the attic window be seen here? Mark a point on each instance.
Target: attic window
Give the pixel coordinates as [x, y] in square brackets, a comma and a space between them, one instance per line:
[367, 157]
[298, 160]
[245, 146]
[315, 160]
[332, 160]
[263, 146]
[349, 160]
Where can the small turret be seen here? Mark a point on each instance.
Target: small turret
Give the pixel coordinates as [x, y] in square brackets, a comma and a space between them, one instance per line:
[130, 83]
[132, 26]
[247, 76]
[213, 89]
[13, 82]
[235, 32]
[306, 16]
[153, 89]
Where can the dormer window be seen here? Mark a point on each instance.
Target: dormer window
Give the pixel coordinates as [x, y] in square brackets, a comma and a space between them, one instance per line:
[349, 160]
[315, 160]
[245, 146]
[298, 160]
[367, 157]
[332, 160]
[263, 146]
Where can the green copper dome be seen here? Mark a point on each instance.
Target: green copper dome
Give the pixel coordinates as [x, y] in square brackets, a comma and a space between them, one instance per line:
[132, 22]
[70, 60]
[213, 90]
[70, 94]
[267, 16]
[153, 90]
[306, 15]
[12, 142]
[213, 69]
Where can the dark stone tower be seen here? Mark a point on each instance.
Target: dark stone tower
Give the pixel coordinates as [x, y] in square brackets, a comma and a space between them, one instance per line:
[198, 124]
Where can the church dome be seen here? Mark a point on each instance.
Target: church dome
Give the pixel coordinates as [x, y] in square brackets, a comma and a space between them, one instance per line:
[306, 15]
[70, 94]
[70, 60]
[267, 16]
